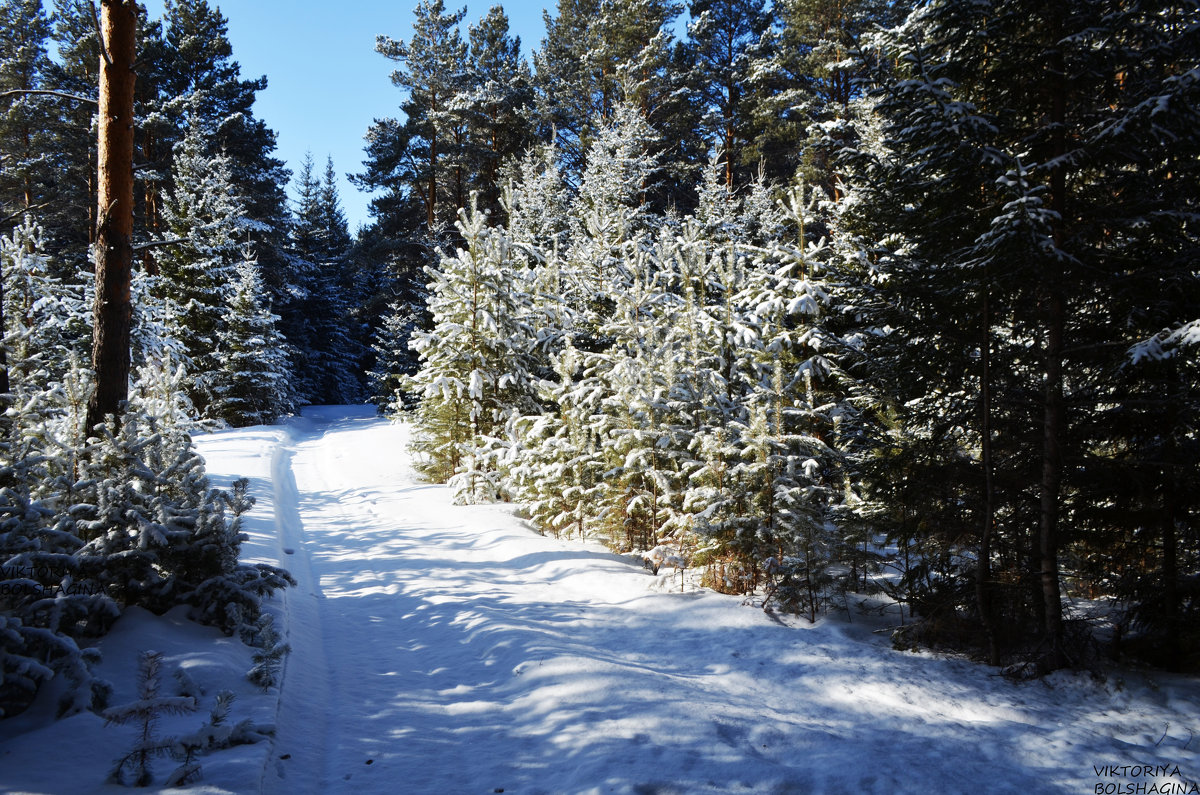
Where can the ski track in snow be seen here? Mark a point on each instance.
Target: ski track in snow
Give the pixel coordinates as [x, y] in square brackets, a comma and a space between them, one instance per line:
[450, 649]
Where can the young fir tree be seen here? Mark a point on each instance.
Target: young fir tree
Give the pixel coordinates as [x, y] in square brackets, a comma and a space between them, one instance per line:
[253, 385]
[537, 202]
[607, 212]
[45, 321]
[159, 360]
[207, 219]
[144, 714]
[44, 617]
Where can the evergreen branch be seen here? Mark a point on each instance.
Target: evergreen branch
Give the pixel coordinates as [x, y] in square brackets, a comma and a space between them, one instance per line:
[18, 92]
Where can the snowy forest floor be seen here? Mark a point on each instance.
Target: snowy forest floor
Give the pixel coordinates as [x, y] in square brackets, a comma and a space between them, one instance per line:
[449, 649]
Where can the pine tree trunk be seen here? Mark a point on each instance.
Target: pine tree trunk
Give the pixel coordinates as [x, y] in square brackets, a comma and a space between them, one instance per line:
[151, 200]
[983, 570]
[4, 385]
[1172, 509]
[1054, 421]
[114, 207]
[431, 205]
[1053, 427]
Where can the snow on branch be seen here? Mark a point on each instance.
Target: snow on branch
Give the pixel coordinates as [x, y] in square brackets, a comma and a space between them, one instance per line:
[1166, 343]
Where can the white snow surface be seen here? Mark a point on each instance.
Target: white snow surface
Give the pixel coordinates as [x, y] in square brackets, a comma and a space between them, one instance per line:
[450, 649]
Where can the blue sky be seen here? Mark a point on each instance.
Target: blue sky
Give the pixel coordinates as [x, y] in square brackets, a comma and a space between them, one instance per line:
[326, 83]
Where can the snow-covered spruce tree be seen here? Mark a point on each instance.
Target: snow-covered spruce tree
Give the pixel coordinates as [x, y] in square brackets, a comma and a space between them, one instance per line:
[325, 354]
[698, 396]
[557, 471]
[159, 361]
[767, 498]
[253, 384]
[45, 321]
[1025, 208]
[393, 362]
[476, 361]
[598, 437]
[47, 605]
[216, 733]
[43, 613]
[538, 202]
[636, 371]
[204, 213]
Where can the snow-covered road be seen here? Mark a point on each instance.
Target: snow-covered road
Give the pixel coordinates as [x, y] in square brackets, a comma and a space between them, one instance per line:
[449, 649]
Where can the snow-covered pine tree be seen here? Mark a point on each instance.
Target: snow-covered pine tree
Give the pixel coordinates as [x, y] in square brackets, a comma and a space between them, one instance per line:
[432, 70]
[253, 384]
[49, 605]
[538, 202]
[393, 361]
[154, 532]
[698, 397]
[635, 372]
[43, 614]
[585, 288]
[557, 474]
[607, 212]
[475, 369]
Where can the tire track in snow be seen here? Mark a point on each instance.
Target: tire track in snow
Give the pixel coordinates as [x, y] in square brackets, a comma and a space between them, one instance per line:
[305, 693]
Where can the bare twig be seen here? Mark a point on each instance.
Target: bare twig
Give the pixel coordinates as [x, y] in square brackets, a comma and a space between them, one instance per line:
[24, 211]
[100, 34]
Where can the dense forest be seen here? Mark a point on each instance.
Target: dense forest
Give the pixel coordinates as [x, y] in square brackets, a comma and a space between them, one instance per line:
[816, 297]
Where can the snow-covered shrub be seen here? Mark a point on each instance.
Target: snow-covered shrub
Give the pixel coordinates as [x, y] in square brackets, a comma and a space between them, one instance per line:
[156, 535]
[216, 734]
